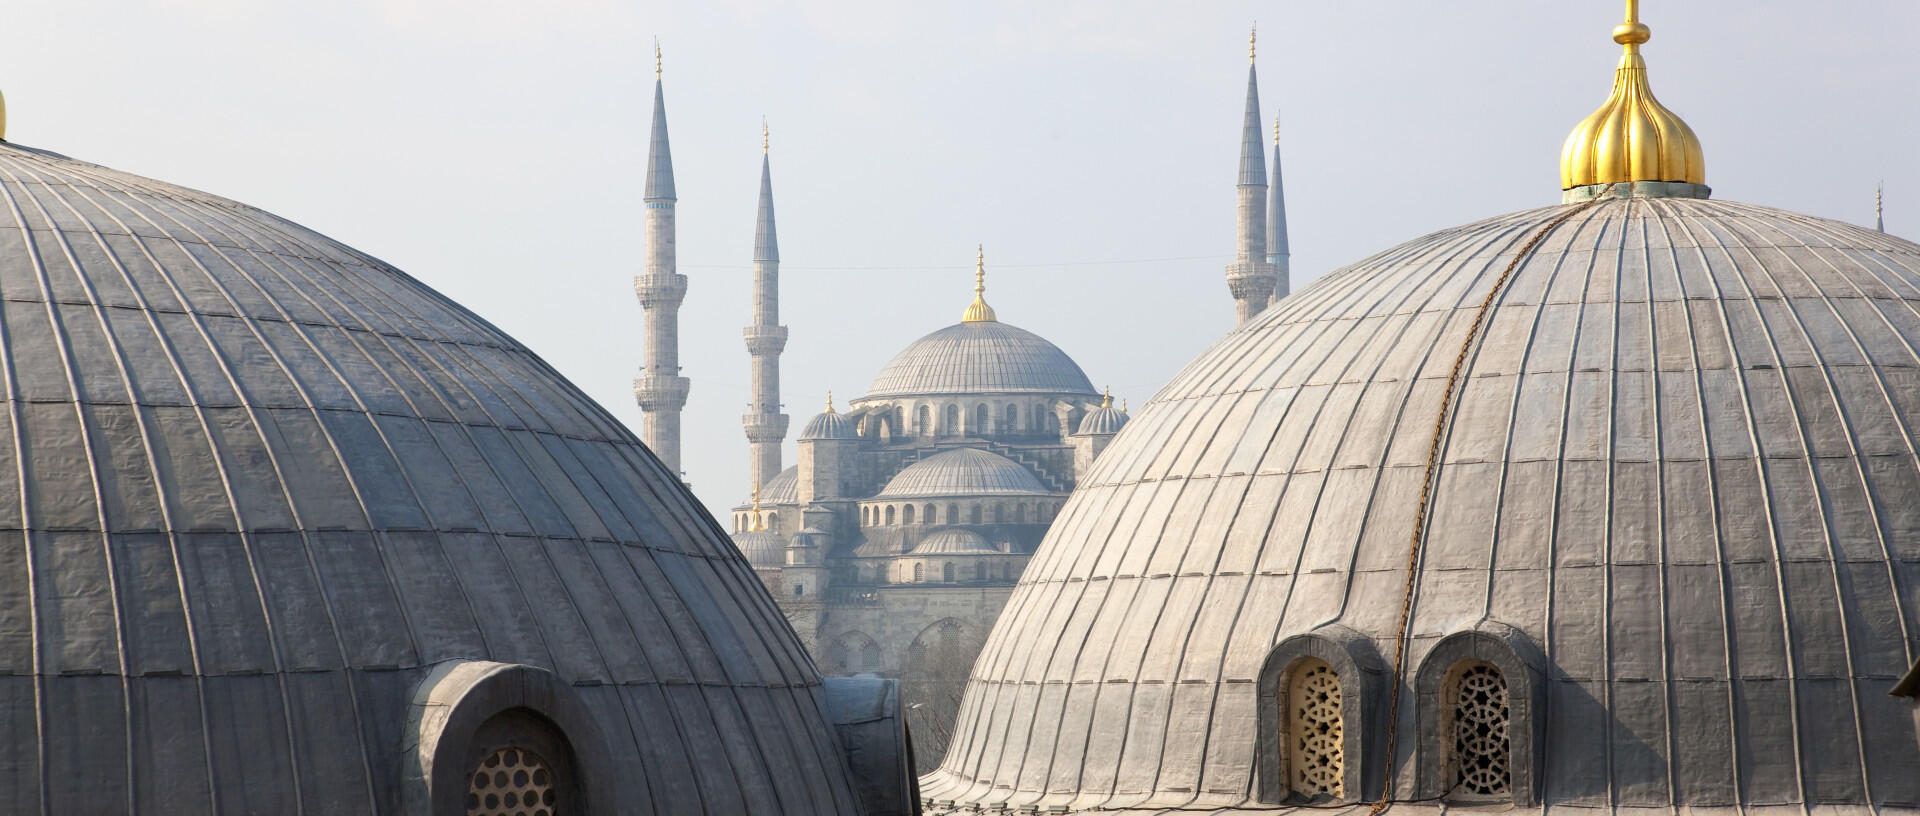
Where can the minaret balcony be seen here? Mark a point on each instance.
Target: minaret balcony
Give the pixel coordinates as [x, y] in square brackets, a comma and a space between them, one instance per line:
[660, 392]
[660, 290]
[765, 427]
[1252, 281]
[765, 339]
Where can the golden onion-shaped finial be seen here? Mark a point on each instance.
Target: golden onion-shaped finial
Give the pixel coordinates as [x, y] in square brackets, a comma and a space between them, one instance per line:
[1632, 137]
[979, 311]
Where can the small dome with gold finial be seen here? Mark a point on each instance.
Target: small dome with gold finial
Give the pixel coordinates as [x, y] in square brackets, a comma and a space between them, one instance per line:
[1105, 420]
[830, 424]
[979, 311]
[1632, 137]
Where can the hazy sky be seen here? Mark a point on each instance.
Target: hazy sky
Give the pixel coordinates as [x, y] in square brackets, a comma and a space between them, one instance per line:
[495, 149]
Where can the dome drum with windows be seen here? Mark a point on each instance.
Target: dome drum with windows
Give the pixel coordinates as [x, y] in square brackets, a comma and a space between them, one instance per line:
[1610, 506]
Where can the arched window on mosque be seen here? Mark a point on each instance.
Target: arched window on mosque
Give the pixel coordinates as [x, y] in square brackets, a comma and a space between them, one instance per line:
[1039, 417]
[980, 571]
[919, 573]
[946, 572]
[974, 515]
[953, 514]
[1315, 730]
[930, 513]
[999, 514]
[923, 421]
[1012, 422]
[952, 421]
[979, 420]
[889, 515]
[870, 656]
[520, 764]
[1020, 514]
[1476, 733]
[906, 514]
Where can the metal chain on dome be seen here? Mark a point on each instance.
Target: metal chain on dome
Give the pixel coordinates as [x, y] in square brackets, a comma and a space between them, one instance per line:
[1426, 483]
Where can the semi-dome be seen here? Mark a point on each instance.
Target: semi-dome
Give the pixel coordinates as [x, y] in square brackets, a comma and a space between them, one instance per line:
[955, 541]
[962, 472]
[293, 533]
[1676, 509]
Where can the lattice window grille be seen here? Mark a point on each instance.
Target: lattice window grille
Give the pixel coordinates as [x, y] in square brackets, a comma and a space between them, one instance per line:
[1481, 720]
[511, 782]
[1317, 762]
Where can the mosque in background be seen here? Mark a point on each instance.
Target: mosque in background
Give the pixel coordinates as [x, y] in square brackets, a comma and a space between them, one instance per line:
[894, 541]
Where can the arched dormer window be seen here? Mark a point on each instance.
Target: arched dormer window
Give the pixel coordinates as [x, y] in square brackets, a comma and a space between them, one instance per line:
[979, 420]
[906, 514]
[1012, 422]
[923, 421]
[889, 515]
[953, 514]
[1477, 696]
[929, 513]
[1315, 718]
[951, 423]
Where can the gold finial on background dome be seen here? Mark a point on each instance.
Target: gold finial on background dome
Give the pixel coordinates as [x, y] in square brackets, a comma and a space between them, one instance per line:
[829, 401]
[979, 311]
[756, 523]
[1632, 137]
[1253, 38]
[656, 58]
[766, 136]
[1106, 398]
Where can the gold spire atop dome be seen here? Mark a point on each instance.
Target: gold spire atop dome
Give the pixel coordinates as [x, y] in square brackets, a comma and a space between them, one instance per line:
[1253, 38]
[756, 523]
[656, 58]
[1106, 397]
[829, 401]
[1632, 137]
[979, 311]
[766, 137]
[1276, 128]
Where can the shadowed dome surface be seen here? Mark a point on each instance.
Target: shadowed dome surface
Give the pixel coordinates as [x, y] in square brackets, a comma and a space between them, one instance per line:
[1680, 468]
[829, 425]
[980, 357]
[262, 483]
[963, 472]
[782, 489]
[763, 548]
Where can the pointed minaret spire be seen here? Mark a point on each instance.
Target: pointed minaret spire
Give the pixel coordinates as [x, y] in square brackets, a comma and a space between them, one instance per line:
[1879, 206]
[1251, 278]
[1277, 225]
[660, 389]
[766, 426]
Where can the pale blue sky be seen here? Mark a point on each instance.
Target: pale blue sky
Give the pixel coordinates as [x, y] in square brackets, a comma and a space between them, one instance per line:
[495, 150]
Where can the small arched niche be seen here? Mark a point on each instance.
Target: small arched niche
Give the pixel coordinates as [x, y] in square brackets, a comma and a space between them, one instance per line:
[1476, 698]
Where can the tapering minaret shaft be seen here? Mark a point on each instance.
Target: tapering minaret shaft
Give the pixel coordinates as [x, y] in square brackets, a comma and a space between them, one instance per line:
[660, 389]
[1277, 225]
[1250, 278]
[766, 426]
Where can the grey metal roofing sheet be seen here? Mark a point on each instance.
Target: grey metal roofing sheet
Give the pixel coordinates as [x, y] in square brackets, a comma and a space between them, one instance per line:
[984, 357]
[1682, 464]
[963, 472]
[954, 542]
[262, 481]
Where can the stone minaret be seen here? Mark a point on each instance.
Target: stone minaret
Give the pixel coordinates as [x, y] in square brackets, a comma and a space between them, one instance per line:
[1277, 225]
[660, 389]
[1250, 278]
[766, 426]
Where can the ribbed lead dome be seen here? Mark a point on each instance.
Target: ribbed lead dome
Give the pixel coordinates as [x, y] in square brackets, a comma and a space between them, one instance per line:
[980, 357]
[263, 484]
[1678, 488]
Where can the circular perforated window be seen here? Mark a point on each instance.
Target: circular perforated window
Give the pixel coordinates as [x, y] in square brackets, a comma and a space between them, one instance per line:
[511, 782]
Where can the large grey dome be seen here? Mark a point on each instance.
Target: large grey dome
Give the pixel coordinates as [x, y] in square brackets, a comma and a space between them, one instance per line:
[1677, 503]
[980, 357]
[963, 472]
[278, 508]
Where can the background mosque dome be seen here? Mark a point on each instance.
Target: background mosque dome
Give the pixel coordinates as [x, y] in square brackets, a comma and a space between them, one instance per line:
[1105, 420]
[286, 521]
[980, 357]
[963, 472]
[1676, 507]
[955, 541]
[763, 548]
